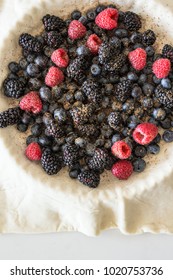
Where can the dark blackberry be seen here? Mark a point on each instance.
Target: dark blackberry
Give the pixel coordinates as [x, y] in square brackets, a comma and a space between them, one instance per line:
[75, 70]
[50, 162]
[10, 117]
[89, 178]
[107, 51]
[116, 64]
[80, 115]
[123, 90]
[53, 39]
[167, 52]
[98, 161]
[54, 130]
[91, 90]
[110, 160]
[70, 154]
[13, 88]
[87, 129]
[53, 23]
[30, 43]
[115, 120]
[132, 21]
[165, 96]
[148, 37]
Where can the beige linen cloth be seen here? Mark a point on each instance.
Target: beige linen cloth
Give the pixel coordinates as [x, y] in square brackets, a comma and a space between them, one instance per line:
[31, 201]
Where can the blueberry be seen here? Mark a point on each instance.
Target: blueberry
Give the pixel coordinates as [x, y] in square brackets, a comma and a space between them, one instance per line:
[100, 142]
[27, 118]
[45, 107]
[80, 142]
[33, 70]
[44, 141]
[114, 78]
[105, 102]
[22, 127]
[108, 144]
[90, 148]
[121, 32]
[166, 123]
[45, 94]
[14, 67]
[156, 80]
[124, 69]
[148, 89]
[142, 79]
[140, 151]
[126, 132]
[52, 107]
[153, 121]
[30, 58]
[139, 165]
[157, 139]
[83, 20]
[58, 92]
[101, 116]
[147, 102]
[95, 70]
[136, 92]
[69, 97]
[91, 15]
[136, 37]
[55, 147]
[30, 139]
[138, 45]
[41, 61]
[76, 14]
[82, 50]
[34, 83]
[100, 8]
[153, 149]
[36, 129]
[79, 96]
[47, 118]
[116, 137]
[148, 68]
[60, 115]
[132, 76]
[108, 89]
[166, 83]
[74, 174]
[48, 51]
[23, 63]
[39, 119]
[125, 42]
[128, 106]
[159, 114]
[12, 76]
[150, 51]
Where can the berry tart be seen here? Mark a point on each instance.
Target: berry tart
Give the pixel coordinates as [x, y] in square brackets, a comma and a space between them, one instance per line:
[86, 119]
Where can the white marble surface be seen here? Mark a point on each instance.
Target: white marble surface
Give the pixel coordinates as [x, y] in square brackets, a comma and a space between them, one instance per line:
[109, 245]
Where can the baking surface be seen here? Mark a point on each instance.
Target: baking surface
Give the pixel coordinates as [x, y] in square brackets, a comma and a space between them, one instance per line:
[68, 241]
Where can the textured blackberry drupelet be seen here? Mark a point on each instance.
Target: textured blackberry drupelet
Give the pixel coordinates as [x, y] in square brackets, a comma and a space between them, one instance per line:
[54, 130]
[167, 52]
[148, 37]
[30, 43]
[116, 64]
[50, 162]
[52, 23]
[98, 161]
[115, 120]
[87, 129]
[107, 51]
[70, 154]
[89, 178]
[123, 90]
[91, 91]
[75, 70]
[10, 117]
[110, 160]
[13, 88]
[165, 96]
[53, 39]
[132, 21]
[80, 115]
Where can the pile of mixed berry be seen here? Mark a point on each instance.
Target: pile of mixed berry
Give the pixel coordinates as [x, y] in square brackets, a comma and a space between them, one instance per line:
[92, 91]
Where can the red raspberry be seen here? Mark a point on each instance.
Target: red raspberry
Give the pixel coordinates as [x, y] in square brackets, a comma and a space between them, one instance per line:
[31, 102]
[138, 58]
[145, 133]
[121, 150]
[33, 151]
[107, 19]
[54, 77]
[76, 30]
[122, 169]
[93, 43]
[161, 67]
[60, 58]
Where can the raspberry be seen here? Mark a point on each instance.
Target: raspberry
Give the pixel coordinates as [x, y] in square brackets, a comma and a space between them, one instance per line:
[31, 102]
[107, 19]
[161, 67]
[33, 151]
[122, 169]
[145, 133]
[93, 43]
[54, 77]
[76, 30]
[60, 58]
[121, 150]
[138, 58]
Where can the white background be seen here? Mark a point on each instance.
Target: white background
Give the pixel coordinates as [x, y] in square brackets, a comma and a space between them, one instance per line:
[109, 245]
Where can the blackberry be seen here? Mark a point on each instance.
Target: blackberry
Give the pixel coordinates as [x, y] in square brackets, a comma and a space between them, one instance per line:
[75, 70]
[53, 39]
[13, 88]
[91, 90]
[70, 154]
[87, 129]
[98, 161]
[10, 117]
[132, 21]
[167, 52]
[50, 162]
[116, 64]
[89, 178]
[52, 23]
[107, 51]
[115, 120]
[80, 115]
[110, 160]
[148, 37]
[123, 90]
[165, 96]
[54, 130]
[30, 43]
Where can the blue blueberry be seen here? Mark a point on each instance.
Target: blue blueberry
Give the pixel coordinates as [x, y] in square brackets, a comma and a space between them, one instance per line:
[136, 37]
[22, 127]
[45, 94]
[148, 89]
[140, 151]
[101, 116]
[30, 139]
[150, 51]
[14, 67]
[91, 15]
[139, 165]
[60, 115]
[82, 50]
[153, 149]
[138, 45]
[124, 69]
[157, 139]
[153, 121]
[74, 173]
[76, 14]
[27, 118]
[121, 33]
[128, 106]
[33, 70]
[132, 76]
[23, 63]
[166, 83]
[41, 61]
[166, 123]
[168, 136]
[12, 76]
[95, 70]
[52, 107]
[147, 102]
[83, 20]
[116, 137]
[36, 129]
[108, 89]
[159, 114]
[30, 58]
[136, 92]
[142, 79]
[55, 147]
[44, 141]
[80, 142]
[156, 80]
[100, 8]
[79, 96]
[100, 142]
